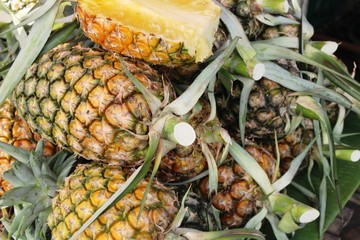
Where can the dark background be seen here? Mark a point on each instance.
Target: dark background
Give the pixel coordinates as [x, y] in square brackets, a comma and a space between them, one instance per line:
[339, 21]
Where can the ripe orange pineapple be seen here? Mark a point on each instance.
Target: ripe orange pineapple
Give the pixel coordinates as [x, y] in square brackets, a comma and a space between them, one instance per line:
[13, 130]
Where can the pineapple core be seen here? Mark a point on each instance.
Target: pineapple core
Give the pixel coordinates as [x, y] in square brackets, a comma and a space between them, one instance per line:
[192, 22]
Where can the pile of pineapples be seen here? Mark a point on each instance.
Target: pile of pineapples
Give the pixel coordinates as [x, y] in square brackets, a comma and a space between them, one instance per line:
[164, 119]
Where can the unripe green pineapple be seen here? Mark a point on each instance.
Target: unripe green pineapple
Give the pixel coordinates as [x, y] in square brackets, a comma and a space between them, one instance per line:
[246, 11]
[82, 100]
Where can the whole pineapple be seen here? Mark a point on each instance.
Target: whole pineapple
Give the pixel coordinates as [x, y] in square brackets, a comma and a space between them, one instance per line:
[98, 182]
[63, 199]
[13, 130]
[238, 196]
[82, 100]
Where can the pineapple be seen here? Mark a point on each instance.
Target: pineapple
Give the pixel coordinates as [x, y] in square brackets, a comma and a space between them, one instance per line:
[65, 203]
[292, 145]
[163, 32]
[82, 100]
[98, 181]
[185, 162]
[238, 196]
[267, 110]
[246, 11]
[13, 130]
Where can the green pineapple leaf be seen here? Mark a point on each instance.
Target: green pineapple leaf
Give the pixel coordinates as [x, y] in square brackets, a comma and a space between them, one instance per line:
[287, 178]
[339, 77]
[20, 154]
[35, 186]
[42, 27]
[31, 16]
[187, 100]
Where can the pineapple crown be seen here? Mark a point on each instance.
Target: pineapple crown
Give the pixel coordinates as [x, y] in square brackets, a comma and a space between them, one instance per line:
[35, 180]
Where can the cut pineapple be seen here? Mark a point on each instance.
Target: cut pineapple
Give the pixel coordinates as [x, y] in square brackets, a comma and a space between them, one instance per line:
[166, 32]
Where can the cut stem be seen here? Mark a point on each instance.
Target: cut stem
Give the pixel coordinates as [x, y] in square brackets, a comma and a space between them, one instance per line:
[235, 64]
[274, 6]
[178, 132]
[300, 213]
[327, 47]
[348, 155]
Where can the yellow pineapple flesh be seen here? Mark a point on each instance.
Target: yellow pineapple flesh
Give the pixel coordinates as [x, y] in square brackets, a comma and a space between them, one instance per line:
[165, 32]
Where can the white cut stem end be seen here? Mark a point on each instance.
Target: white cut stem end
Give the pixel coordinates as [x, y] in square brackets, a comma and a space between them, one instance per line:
[225, 135]
[258, 71]
[355, 156]
[286, 6]
[309, 216]
[330, 47]
[184, 134]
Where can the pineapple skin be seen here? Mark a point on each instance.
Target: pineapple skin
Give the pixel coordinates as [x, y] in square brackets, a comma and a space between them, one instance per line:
[267, 110]
[13, 130]
[90, 185]
[81, 99]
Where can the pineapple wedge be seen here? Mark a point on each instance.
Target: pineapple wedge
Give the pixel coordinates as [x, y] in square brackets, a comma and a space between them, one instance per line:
[165, 32]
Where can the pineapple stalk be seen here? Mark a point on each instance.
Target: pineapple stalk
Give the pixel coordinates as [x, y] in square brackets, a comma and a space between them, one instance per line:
[328, 47]
[348, 154]
[301, 213]
[179, 133]
[274, 6]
